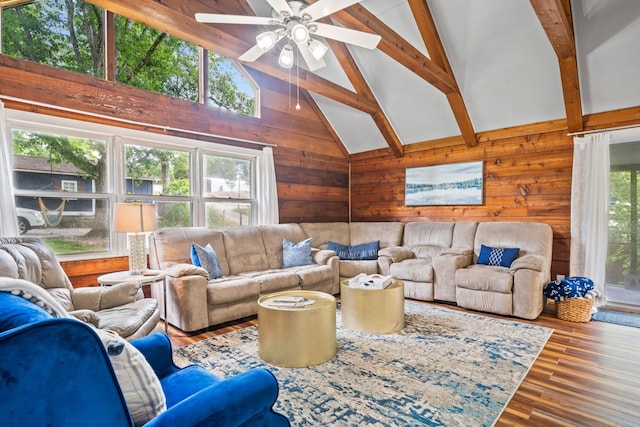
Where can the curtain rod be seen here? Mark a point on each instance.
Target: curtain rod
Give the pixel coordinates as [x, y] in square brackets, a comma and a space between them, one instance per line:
[133, 122]
[603, 130]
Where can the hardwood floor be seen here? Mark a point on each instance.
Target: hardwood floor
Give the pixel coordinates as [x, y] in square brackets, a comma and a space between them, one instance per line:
[588, 374]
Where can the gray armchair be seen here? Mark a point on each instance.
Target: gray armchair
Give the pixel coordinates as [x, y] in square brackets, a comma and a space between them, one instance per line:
[118, 308]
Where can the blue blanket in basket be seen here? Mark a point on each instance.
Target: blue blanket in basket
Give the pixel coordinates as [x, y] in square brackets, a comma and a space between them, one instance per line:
[569, 287]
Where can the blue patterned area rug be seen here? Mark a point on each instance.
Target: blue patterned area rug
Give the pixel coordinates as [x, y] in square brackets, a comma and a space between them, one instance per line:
[617, 317]
[445, 368]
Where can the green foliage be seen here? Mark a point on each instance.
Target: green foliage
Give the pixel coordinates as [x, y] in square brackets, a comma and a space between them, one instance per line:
[173, 215]
[66, 34]
[69, 34]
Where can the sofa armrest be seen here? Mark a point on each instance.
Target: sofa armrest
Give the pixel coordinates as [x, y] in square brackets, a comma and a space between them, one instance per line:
[456, 251]
[184, 269]
[156, 349]
[396, 253]
[530, 262]
[235, 401]
[322, 256]
[103, 297]
[187, 302]
[444, 272]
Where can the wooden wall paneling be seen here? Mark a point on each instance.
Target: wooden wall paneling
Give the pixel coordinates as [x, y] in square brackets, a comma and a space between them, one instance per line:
[527, 177]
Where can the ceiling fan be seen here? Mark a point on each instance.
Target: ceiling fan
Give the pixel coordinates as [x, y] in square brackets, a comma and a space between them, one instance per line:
[297, 23]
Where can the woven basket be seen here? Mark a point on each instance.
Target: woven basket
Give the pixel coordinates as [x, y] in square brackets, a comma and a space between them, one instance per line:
[574, 309]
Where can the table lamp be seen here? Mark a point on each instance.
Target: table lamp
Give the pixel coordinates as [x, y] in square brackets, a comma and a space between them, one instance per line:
[135, 219]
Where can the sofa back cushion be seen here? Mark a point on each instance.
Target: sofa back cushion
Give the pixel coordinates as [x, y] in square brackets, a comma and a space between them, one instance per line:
[273, 236]
[532, 238]
[464, 233]
[428, 233]
[30, 259]
[387, 233]
[170, 246]
[322, 232]
[245, 250]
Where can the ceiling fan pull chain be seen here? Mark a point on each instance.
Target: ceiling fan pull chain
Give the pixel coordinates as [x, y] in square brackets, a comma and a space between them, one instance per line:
[297, 81]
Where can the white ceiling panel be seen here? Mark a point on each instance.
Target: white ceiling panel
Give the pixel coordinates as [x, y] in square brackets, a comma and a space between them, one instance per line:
[608, 48]
[416, 110]
[503, 61]
[356, 129]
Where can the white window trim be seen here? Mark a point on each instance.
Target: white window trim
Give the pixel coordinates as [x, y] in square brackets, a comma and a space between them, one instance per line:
[116, 136]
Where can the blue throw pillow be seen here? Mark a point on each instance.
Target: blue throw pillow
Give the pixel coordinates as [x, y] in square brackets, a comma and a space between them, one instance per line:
[17, 311]
[497, 256]
[296, 254]
[366, 251]
[205, 257]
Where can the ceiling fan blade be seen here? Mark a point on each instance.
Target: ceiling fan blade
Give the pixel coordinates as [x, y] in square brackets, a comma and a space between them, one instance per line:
[324, 8]
[358, 38]
[215, 18]
[252, 54]
[312, 63]
[256, 51]
[280, 6]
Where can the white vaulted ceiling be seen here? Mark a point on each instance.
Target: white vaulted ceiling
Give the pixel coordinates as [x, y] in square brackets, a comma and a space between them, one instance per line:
[495, 64]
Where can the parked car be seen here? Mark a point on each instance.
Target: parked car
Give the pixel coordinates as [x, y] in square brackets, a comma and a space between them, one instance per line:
[28, 219]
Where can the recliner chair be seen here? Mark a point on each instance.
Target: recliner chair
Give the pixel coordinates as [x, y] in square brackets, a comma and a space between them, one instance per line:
[57, 371]
[117, 308]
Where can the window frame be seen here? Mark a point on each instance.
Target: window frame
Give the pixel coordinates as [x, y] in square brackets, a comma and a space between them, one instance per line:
[116, 138]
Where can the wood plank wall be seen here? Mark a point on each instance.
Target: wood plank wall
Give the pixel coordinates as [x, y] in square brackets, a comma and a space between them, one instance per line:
[311, 168]
[527, 177]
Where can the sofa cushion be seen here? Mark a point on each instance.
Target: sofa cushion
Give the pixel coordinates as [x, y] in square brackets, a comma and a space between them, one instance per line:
[140, 385]
[205, 257]
[127, 319]
[273, 236]
[431, 233]
[497, 256]
[230, 289]
[365, 251]
[322, 232]
[485, 278]
[295, 254]
[353, 268]
[414, 269]
[277, 280]
[387, 233]
[245, 249]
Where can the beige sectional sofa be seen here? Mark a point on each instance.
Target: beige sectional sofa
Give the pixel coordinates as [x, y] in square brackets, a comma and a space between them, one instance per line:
[435, 260]
[250, 258]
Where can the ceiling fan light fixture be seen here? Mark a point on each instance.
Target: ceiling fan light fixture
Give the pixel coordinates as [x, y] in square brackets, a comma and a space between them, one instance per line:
[299, 33]
[318, 49]
[285, 60]
[266, 40]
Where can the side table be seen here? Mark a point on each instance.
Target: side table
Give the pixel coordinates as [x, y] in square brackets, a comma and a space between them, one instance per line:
[147, 278]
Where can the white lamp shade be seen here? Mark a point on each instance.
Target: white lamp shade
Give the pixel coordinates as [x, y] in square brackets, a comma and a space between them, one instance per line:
[299, 33]
[286, 57]
[318, 49]
[134, 217]
[266, 40]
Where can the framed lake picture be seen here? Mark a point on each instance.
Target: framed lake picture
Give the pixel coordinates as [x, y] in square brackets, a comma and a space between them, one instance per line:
[454, 184]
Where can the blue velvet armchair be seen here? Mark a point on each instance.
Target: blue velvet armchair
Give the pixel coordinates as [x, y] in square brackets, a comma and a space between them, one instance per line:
[56, 371]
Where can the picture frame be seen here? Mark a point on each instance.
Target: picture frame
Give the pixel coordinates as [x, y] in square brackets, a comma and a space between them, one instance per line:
[441, 185]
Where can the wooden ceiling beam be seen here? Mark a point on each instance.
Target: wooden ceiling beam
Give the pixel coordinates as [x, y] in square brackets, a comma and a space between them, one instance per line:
[357, 17]
[174, 21]
[432, 41]
[555, 18]
[360, 84]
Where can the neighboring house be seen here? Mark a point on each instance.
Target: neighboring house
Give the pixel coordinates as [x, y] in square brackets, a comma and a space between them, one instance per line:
[37, 174]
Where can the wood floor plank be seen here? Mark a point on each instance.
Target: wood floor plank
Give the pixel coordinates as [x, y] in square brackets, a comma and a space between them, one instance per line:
[588, 374]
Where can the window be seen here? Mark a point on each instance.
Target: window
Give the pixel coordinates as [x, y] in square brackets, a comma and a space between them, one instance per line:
[623, 252]
[69, 186]
[46, 167]
[68, 177]
[153, 60]
[227, 190]
[61, 33]
[69, 34]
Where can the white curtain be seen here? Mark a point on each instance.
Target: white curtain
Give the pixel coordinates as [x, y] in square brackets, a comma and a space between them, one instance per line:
[8, 217]
[267, 189]
[590, 209]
